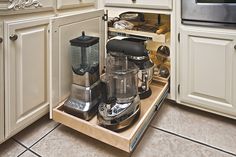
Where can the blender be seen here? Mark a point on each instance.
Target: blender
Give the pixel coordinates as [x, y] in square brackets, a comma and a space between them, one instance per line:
[85, 89]
[120, 106]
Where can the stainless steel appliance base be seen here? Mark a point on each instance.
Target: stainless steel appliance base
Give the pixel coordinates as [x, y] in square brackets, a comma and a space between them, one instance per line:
[119, 126]
[83, 101]
[83, 110]
[120, 116]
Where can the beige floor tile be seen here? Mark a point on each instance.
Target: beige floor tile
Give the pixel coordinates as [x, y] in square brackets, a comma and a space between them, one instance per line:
[65, 142]
[37, 130]
[156, 143]
[201, 126]
[10, 149]
[28, 154]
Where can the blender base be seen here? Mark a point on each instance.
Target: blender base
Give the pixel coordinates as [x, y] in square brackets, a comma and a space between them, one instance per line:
[83, 101]
[83, 110]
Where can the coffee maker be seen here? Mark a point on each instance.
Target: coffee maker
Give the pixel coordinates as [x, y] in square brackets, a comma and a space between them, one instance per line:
[145, 74]
[120, 106]
[85, 89]
[146, 67]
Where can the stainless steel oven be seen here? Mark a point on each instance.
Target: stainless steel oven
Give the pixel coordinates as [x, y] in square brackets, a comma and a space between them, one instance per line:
[209, 12]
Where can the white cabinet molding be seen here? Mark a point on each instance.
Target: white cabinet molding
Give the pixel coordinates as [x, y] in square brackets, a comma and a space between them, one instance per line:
[1, 87]
[22, 4]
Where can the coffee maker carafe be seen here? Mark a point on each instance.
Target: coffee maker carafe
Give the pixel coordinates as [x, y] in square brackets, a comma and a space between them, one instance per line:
[85, 90]
[146, 67]
[120, 106]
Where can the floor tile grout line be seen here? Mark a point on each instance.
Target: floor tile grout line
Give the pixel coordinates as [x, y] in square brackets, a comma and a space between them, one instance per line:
[26, 149]
[29, 148]
[22, 153]
[34, 153]
[44, 136]
[192, 140]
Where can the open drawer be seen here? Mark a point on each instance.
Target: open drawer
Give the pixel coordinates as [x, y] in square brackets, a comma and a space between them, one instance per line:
[127, 139]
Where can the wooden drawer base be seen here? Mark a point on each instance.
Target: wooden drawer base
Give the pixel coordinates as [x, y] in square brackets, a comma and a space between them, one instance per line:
[127, 139]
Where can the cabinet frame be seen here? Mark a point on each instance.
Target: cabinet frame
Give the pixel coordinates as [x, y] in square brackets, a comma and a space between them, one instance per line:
[1, 86]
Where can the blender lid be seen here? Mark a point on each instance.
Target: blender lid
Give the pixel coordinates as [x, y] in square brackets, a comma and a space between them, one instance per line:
[84, 40]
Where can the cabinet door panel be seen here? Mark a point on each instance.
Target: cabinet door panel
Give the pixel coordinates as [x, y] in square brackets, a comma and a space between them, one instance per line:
[1, 87]
[210, 67]
[207, 70]
[27, 78]
[32, 83]
[62, 4]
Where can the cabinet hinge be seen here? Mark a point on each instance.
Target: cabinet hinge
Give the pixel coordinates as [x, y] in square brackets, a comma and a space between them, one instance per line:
[105, 16]
[178, 37]
[178, 88]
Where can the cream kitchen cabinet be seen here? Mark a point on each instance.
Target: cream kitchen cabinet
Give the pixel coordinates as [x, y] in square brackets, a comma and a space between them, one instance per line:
[1, 86]
[26, 72]
[208, 69]
[63, 30]
[63, 4]
[151, 4]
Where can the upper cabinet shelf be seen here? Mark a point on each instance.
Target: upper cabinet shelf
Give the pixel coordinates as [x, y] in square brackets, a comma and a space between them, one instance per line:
[150, 4]
[129, 33]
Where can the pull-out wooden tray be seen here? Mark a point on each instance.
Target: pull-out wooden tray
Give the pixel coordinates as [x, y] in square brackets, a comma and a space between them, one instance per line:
[127, 139]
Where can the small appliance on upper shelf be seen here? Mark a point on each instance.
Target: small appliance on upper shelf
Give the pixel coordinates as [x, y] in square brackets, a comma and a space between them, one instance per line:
[151, 26]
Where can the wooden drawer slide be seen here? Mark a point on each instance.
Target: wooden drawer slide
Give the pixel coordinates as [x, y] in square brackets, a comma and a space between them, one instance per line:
[127, 139]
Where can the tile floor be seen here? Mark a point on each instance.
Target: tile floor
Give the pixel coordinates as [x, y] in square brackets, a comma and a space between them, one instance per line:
[176, 131]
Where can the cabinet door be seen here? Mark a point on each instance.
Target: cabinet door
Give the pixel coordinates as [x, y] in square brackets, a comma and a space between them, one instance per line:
[1, 86]
[153, 4]
[208, 69]
[64, 29]
[62, 4]
[26, 73]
